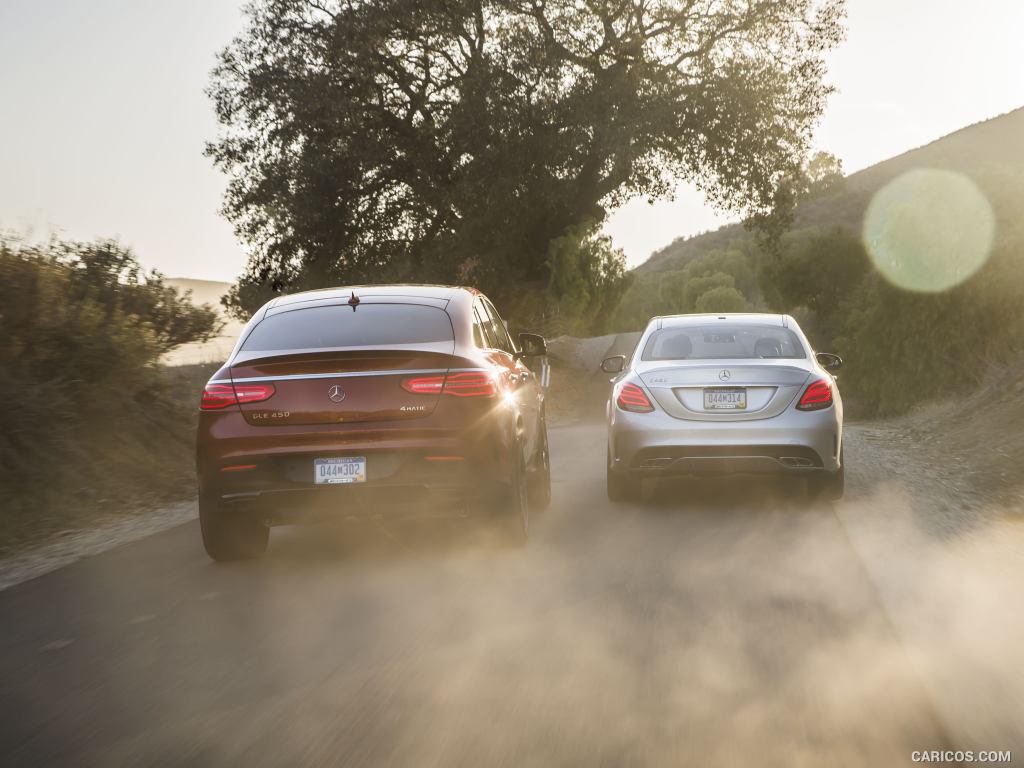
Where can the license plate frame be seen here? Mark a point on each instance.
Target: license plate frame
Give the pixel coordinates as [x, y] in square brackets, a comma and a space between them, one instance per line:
[725, 398]
[339, 470]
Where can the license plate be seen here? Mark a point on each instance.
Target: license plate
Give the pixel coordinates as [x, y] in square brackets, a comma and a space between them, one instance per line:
[349, 469]
[725, 399]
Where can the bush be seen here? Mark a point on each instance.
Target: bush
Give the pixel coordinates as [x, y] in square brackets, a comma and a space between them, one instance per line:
[727, 276]
[722, 298]
[97, 418]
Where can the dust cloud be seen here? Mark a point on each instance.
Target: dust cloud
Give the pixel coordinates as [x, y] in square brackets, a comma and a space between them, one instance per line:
[715, 623]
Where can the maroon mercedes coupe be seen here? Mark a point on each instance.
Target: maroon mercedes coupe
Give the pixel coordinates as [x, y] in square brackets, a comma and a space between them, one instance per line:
[372, 400]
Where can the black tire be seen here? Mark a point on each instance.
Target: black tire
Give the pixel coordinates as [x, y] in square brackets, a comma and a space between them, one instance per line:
[828, 486]
[539, 487]
[513, 518]
[230, 534]
[622, 487]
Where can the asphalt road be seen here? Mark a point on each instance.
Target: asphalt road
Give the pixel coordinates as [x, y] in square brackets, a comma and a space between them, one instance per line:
[716, 623]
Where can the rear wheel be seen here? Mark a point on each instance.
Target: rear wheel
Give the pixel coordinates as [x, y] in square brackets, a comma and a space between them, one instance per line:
[621, 487]
[230, 534]
[513, 521]
[539, 490]
[828, 486]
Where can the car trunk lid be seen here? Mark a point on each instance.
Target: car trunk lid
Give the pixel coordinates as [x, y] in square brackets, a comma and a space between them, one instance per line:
[765, 388]
[332, 387]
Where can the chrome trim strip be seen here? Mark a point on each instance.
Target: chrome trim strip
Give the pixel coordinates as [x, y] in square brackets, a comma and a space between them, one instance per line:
[347, 374]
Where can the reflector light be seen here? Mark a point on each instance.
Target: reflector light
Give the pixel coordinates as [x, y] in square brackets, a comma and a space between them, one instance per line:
[469, 384]
[426, 385]
[632, 398]
[816, 397]
[444, 458]
[253, 393]
[217, 396]
[237, 467]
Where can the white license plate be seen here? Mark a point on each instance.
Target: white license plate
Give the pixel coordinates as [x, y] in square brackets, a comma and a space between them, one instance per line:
[725, 399]
[349, 469]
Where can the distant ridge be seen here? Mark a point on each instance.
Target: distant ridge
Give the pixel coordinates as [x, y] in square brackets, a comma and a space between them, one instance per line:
[203, 291]
[216, 350]
[990, 152]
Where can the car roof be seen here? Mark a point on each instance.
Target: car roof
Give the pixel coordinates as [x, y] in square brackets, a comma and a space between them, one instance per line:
[749, 318]
[408, 291]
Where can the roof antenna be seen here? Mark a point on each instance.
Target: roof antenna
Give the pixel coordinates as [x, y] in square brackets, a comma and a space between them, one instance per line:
[353, 301]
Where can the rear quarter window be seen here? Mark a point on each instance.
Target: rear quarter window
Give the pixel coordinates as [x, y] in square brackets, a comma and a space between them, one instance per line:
[338, 326]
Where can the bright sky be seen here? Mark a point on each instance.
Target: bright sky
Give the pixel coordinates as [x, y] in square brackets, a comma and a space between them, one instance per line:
[104, 116]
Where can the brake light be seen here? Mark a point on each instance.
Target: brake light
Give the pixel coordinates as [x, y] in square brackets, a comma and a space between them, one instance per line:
[632, 398]
[469, 384]
[216, 396]
[220, 395]
[816, 397]
[472, 384]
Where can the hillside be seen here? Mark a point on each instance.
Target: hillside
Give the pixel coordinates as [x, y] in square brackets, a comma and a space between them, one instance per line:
[990, 153]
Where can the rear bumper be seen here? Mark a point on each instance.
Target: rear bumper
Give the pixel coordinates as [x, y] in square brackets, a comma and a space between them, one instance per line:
[339, 503]
[793, 442]
[270, 470]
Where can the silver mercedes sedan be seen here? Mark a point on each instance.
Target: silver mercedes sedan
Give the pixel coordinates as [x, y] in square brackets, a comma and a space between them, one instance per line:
[724, 394]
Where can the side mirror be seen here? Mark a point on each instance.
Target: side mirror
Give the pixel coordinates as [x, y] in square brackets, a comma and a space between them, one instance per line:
[613, 364]
[532, 345]
[829, 362]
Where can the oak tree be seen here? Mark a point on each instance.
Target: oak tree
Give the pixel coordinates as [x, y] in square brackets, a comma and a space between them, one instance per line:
[369, 140]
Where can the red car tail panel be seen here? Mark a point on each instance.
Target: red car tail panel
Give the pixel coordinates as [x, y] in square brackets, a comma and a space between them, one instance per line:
[340, 387]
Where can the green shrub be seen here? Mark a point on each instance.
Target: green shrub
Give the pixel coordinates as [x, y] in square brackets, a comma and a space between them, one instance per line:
[95, 417]
[723, 298]
[587, 279]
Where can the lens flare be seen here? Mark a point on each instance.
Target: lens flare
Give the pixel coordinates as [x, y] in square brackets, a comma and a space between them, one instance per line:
[929, 230]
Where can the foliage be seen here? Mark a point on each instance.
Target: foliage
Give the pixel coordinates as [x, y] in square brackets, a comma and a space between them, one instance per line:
[83, 327]
[723, 298]
[588, 278]
[823, 174]
[714, 281]
[457, 140]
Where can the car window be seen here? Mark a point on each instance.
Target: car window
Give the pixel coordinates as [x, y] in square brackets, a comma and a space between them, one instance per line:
[721, 342]
[499, 330]
[335, 326]
[479, 334]
[482, 322]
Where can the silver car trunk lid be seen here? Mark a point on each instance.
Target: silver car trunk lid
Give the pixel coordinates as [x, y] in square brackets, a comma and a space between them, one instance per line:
[769, 386]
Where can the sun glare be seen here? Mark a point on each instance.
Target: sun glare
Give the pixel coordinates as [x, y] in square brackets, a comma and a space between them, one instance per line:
[929, 230]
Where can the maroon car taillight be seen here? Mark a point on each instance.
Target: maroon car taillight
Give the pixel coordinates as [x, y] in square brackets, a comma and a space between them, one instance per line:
[217, 396]
[470, 384]
[816, 397]
[632, 398]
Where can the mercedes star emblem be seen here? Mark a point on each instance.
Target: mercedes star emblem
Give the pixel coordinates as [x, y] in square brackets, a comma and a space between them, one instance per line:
[724, 375]
[336, 393]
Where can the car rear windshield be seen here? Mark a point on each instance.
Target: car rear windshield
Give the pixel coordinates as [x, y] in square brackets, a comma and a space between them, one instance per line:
[717, 342]
[338, 326]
